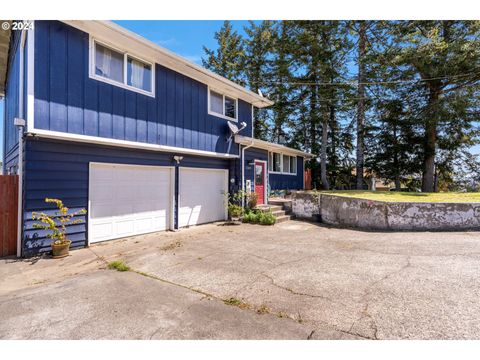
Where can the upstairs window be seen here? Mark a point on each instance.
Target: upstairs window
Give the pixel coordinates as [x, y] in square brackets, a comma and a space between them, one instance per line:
[121, 69]
[108, 63]
[139, 74]
[222, 105]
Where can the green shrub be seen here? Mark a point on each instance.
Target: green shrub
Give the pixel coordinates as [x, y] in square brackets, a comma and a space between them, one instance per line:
[266, 218]
[259, 217]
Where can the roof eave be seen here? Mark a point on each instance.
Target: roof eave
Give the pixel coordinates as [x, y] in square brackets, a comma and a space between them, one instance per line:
[265, 145]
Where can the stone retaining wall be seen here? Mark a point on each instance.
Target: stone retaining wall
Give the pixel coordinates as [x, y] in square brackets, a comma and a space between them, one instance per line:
[379, 215]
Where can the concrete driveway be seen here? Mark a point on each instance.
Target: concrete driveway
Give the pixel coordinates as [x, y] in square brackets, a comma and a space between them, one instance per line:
[294, 280]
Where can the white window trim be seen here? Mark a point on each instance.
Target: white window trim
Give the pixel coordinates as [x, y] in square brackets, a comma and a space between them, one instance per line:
[213, 113]
[91, 67]
[281, 164]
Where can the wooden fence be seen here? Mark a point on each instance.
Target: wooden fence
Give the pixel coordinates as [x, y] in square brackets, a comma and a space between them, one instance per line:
[308, 179]
[8, 214]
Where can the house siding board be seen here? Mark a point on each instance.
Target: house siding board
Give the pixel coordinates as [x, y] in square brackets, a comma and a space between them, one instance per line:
[67, 100]
[11, 106]
[60, 170]
[288, 182]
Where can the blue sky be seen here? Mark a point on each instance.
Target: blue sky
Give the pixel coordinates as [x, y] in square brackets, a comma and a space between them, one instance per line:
[185, 38]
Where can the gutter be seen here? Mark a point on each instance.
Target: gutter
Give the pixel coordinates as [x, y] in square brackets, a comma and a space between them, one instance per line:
[243, 171]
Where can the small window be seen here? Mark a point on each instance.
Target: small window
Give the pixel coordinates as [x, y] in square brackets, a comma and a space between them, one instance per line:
[277, 162]
[216, 102]
[108, 63]
[222, 105]
[258, 175]
[286, 164]
[293, 164]
[230, 107]
[139, 74]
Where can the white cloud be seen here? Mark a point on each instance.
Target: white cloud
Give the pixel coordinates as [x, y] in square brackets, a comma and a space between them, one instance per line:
[193, 58]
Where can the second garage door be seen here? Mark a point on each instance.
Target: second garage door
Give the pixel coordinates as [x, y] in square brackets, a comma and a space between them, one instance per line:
[202, 196]
[128, 200]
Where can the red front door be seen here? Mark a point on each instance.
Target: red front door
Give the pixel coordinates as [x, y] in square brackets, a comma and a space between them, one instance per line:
[260, 182]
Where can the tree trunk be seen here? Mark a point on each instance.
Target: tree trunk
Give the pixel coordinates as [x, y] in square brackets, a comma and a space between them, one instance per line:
[428, 181]
[313, 134]
[332, 157]
[323, 151]
[361, 106]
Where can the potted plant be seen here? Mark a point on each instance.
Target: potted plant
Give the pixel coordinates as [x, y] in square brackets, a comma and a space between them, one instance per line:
[56, 225]
[235, 212]
[252, 200]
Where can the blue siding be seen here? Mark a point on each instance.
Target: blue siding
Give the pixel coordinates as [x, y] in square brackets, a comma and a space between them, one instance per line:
[67, 100]
[288, 182]
[275, 181]
[60, 170]
[11, 106]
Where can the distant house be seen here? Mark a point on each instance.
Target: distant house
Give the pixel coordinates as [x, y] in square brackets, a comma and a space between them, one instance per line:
[130, 131]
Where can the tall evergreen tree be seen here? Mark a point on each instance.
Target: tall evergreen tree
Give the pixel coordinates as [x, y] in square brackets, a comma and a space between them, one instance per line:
[444, 57]
[228, 60]
[362, 42]
[258, 52]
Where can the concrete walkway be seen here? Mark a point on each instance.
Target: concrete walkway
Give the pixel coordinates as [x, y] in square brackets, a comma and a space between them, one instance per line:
[295, 280]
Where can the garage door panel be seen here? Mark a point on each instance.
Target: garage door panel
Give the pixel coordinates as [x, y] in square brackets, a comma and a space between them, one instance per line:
[128, 200]
[201, 196]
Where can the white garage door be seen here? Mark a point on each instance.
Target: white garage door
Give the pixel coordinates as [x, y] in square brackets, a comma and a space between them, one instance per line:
[128, 200]
[202, 196]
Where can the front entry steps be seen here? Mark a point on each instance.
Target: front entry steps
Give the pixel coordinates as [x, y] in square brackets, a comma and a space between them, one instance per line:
[280, 208]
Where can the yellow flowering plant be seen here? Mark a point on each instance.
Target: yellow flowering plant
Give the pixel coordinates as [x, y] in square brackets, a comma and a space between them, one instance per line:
[56, 224]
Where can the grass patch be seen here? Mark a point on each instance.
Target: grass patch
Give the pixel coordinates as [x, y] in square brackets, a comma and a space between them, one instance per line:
[236, 302]
[171, 246]
[118, 265]
[264, 309]
[396, 196]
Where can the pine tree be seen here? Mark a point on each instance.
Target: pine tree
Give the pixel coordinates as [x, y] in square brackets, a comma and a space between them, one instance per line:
[258, 51]
[444, 58]
[228, 60]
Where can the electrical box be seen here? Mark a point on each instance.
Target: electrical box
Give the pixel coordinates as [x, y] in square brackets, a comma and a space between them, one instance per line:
[248, 186]
[18, 122]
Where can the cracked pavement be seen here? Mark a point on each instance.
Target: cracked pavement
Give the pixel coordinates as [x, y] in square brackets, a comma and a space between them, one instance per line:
[298, 280]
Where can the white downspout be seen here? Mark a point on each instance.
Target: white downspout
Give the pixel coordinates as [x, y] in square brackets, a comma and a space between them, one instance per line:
[20, 191]
[243, 171]
[21, 126]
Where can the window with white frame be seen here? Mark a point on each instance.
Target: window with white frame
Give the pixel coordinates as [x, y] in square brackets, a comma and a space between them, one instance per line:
[222, 105]
[282, 164]
[122, 69]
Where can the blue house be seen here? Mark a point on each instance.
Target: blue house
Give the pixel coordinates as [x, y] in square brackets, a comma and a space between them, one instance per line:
[140, 137]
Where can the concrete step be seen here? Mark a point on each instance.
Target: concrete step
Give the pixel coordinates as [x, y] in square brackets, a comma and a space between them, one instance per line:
[271, 208]
[279, 202]
[278, 213]
[284, 218]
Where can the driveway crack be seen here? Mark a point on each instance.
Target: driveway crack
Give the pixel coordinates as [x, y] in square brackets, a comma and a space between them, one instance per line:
[272, 281]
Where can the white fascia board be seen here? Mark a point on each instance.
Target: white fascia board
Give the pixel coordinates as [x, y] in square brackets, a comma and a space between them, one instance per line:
[56, 135]
[265, 145]
[109, 32]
